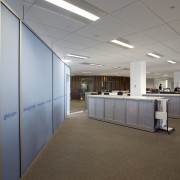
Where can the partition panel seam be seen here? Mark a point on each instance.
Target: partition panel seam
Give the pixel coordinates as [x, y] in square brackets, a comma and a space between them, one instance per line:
[0, 103]
[53, 130]
[20, 95]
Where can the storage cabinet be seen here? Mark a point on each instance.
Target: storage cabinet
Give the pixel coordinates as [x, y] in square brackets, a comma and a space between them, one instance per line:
[128, 111]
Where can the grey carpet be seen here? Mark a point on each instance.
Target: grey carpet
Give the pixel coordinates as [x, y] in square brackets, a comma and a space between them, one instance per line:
[84, 149]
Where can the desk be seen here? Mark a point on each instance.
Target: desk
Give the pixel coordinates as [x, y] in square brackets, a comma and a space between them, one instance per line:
[136, 112]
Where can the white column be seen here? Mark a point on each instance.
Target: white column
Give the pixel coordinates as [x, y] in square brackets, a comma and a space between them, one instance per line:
[137, 78]
[176, 79]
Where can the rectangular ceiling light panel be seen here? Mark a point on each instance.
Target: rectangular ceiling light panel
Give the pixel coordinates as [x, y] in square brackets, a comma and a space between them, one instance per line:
[74, 9]
[122, 44]
[154, 55]
[172, 62]
[76, 56]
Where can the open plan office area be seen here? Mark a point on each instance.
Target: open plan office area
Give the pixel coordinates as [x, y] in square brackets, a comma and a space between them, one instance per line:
[89, 89]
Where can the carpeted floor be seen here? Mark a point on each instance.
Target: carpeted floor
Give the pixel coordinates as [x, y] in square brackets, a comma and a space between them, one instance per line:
[84, 149]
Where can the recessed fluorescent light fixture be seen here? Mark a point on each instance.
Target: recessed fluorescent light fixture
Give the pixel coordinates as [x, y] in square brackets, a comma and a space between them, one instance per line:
[117, 68]
[74, 9]
[76, 56]
[86, 72]
[172, 62]
[154, 55]
[122, 43]
[99, 65]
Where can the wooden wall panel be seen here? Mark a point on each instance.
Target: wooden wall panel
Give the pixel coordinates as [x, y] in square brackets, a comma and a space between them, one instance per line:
[98, 83]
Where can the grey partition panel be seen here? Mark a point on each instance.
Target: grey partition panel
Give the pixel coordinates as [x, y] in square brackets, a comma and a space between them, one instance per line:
[146, 114]
[58, 92]
[100, 108]
[9, 95]
[36, 96]
[119, 110]
[91, 106]
[132, 112]
[174, 106]
[109, 109]
[67, 90]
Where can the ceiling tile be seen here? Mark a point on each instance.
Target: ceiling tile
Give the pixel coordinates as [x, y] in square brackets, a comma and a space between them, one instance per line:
[161, 33]
[18, 6]
[139, 39]
[110, 6]
[138, 16]
[93, 33]
[162, 8]
[176, 25]
[164, 50]
[47, 30]
[81, 40]
[68, 44]
[46, 17]
[114, 26]
[109, 48]
[173, 43]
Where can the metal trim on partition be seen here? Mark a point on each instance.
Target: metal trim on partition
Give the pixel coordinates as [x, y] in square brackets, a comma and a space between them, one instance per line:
[64, 92]
[52, 94]
[0, 106]
[20, 95]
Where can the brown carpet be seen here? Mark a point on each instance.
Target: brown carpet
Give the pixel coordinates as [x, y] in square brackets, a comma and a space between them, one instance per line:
[84, 149]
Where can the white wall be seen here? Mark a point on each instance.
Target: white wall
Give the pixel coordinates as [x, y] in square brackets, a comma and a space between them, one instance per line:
[176, 79]
[149, 83]
[137, 78]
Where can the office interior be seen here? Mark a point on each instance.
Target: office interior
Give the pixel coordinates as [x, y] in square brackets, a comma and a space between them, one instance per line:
[52, 59]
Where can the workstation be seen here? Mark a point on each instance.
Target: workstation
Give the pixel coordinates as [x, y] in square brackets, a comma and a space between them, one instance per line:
[140, 112]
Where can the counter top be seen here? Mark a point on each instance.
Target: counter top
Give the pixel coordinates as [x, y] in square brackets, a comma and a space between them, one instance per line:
[152, 94]
[125, 97]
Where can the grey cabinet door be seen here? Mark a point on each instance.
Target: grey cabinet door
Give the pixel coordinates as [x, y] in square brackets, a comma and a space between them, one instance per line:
[119, 110]
[91, 106]
[146, 114]
[100, 108]
[132, 112]
[174, 106]
[109, 109]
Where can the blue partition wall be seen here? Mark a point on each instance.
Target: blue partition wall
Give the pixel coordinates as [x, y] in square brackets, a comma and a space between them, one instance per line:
[36, 96]
[58, 92]
[9, 95]
[32, 95]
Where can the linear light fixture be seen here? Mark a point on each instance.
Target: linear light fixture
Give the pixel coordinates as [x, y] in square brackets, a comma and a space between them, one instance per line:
[98, 65]
[86, 72]
[76, 56]
[154, 55]
[122, 44]
[172, 62]
[74, 9]
[117, 67]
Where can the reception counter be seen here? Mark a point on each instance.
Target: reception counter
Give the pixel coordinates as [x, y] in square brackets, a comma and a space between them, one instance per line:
[174, 103]
[136, 112]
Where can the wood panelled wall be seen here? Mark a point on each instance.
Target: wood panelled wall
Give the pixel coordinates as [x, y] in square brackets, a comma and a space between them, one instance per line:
[98, 83]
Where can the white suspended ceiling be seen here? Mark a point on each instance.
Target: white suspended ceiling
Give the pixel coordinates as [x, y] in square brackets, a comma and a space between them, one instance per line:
[149, 25]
